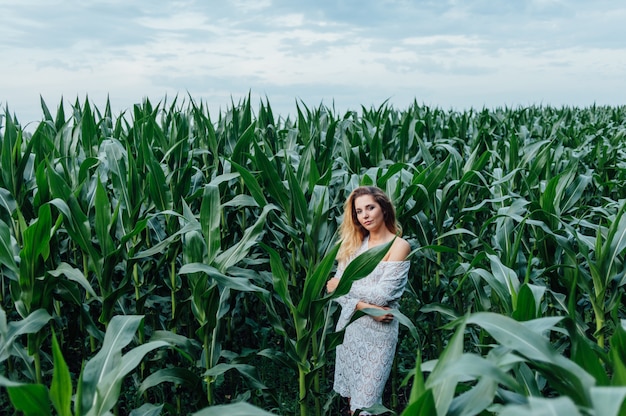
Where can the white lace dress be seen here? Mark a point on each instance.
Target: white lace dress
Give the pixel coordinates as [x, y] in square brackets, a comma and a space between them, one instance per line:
[364, 360]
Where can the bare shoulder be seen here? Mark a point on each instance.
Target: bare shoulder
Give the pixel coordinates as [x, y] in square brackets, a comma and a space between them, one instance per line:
[399, 250]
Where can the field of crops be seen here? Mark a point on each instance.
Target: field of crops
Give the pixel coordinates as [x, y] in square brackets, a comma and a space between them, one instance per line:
[165, 262]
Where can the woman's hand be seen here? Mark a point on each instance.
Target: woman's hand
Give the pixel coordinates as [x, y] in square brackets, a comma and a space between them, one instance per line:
[331, 285]
[382, 318]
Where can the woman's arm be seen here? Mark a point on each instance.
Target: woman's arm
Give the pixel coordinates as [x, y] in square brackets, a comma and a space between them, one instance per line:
[382, 318]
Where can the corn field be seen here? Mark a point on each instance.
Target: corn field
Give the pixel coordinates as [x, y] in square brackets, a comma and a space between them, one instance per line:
[161, 262]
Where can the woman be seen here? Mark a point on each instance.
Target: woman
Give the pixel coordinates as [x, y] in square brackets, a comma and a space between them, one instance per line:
[364, 360]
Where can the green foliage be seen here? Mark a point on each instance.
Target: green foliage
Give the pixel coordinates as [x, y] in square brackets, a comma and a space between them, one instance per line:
[163, 262]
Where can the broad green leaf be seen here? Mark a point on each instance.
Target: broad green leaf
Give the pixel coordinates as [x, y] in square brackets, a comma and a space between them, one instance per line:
[539, 406]
[210, 219]
[179, 376]
[109, 386]
[478, 398]
[252, 184]
[235, 409]
[7, 254]
[616, 243]
[280, 277]
[246, 370]
[239, 251]
[147, 409]
[103, 223]
[61, 385]
[119, 334]
[236, 283]
[617, 354]
[75, 275]
[423, 406]
[29, 325]
[7, 201]
[316, 280]
[114, 155]
[273, 182]
[158, 190]
[358, 268]
[608, 401]
[297, 199]
[507, 277]
[243, 143]
[31, 399]
[565, 374]
[528, 302]
[441, 385]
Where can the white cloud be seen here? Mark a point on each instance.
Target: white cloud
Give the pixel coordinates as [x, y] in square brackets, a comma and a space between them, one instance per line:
[452, 54]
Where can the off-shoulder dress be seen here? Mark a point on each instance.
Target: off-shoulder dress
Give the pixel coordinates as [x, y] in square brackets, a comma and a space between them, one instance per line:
[364, 359]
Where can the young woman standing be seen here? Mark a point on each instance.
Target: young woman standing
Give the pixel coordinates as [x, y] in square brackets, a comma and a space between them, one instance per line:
[364, 359]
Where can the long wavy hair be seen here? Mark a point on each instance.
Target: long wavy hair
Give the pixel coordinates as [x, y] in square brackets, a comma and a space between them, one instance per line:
[351, 232]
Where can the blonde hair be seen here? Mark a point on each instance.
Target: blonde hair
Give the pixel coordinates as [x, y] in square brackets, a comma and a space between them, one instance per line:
[351, 232]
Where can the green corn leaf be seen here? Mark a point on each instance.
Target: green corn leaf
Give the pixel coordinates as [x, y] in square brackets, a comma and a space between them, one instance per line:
[439, 384]
[506, 277]
[617, 354]
[402, 319]
[423, 406]
[239, 251]
[539, 406]
[119, 334]
[210, 219]
[31, 399]
[252, 184]
[246, 370]
[113, 152]
[7, 255]
[103, 222]
[109, 385]
[235, 409]
[297, 198]
[183, 377]
[61, 385]
[158, 189]
[358, 268]
[615, 244]
[528, 302]
[280, 277]
[236, 283]
[147, 409]
[608, 401]
[478, 398]
[31, 324]
[243, 143]
[586, 354]
[75, 275]
[7, 201]
[563, 373]
[272, 180]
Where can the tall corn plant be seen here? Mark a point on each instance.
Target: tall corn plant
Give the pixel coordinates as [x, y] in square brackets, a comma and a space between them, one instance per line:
[522, 372]
[603, 255]
[210, 268]
[99, 386]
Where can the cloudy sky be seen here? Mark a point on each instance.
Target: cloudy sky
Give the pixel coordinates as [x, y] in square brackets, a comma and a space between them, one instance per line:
[345, 54]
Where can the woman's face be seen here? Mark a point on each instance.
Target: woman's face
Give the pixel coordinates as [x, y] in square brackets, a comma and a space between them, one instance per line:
[368, 212]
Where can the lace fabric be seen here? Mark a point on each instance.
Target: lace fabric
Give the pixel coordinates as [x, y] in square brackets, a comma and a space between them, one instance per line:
[364, 359]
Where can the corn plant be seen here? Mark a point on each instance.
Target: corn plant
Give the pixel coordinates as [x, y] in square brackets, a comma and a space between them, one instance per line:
[99, 385]
[216, 229]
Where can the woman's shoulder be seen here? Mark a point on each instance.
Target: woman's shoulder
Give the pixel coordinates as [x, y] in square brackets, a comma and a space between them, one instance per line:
[399, 250]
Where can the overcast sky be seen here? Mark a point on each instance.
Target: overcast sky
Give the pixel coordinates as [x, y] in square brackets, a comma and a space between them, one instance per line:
[451, 54]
